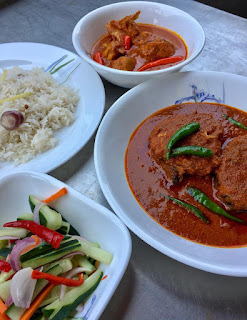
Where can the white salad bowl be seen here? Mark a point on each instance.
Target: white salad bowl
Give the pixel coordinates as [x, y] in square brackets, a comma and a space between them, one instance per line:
[90, 219]
[109, 153]
[92, 26]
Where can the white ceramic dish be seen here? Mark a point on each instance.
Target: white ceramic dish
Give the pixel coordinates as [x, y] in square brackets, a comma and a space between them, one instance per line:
[90, 219]
[92, 26]
[111, 143]
[88, 112]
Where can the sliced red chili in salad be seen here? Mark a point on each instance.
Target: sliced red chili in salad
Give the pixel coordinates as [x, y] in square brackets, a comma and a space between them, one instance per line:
[4, 266]
[48, 235]
[57, 280]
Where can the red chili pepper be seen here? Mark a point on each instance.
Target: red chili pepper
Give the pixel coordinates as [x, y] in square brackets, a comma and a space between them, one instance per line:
[5, 266]
[127, 42]
[160, 62]
[50, 236]
[57, 280]
[98, 58]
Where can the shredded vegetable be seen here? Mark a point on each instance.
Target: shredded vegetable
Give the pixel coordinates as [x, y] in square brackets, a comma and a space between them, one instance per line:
[18, 96]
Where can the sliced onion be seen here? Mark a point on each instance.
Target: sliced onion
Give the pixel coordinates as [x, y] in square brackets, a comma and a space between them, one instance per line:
[9, 301]
[36, 211]
[72, 254]
[70, 275]
[11, 120]
[9, 238]
[80, 307]
[22, 287]
[20, 246]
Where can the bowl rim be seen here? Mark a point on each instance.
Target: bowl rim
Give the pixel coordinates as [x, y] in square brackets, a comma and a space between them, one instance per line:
[83, 55]
[190, 261]
[113, 218]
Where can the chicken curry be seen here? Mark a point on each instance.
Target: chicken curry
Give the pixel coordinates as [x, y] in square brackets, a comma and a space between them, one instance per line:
[187, 167]
[132, 46]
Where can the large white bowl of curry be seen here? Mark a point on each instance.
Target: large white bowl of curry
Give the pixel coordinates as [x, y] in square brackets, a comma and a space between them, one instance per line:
[136, 177]
[130, 42]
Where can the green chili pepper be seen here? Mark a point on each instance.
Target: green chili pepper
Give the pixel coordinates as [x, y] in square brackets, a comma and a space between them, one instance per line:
[198, 213]
[191, 151]
[212, 206]
[185, 131]
[239, 124]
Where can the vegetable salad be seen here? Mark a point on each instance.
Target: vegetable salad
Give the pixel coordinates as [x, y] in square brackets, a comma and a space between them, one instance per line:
[47, 268]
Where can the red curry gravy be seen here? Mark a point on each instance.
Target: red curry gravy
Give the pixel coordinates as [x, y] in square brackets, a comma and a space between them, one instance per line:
[148, 182]
[171, 36]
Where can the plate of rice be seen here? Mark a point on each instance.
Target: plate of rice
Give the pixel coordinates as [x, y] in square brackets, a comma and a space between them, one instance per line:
[51, 103]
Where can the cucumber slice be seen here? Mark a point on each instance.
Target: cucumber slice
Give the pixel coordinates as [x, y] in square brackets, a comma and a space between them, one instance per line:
[14, 313]
[6, 275]
[13, 232]
[95, 253]
[51, 297]
[48, 217]
[64, 229]
[5, 290]
[84, 263]
[59, 310]
[26, 216]
[48, 257]
[43, 248]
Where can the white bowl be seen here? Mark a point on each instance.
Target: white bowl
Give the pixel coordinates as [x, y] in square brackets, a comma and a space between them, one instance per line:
[90, 219]
[112, 140]
[92, 26]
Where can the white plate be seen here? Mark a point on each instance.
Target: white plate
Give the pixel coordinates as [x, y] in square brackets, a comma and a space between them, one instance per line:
[111, 143]
[88, 112]
[90, 219]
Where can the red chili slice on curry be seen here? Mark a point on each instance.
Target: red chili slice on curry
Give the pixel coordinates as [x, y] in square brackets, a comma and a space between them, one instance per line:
[132, 46]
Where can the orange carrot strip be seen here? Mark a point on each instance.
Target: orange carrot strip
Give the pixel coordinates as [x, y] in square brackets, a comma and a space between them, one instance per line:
[3, 307]
[56, 195]
[3, 316]
[104, 277]
[96, 264]
[36, 303]
[37, 240]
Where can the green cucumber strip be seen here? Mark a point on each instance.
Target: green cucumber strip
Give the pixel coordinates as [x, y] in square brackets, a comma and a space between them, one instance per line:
[95, 253]
[5, 290]
[59, 310]
[72, 230]
[49, 257]
[64, 229]
[47, 216]
[95, 244]
[84, 263]
[43, 248]
[65, 264]
[51, 297]
[5, 275]
[14, 232]
[14, 313]
[26, 216]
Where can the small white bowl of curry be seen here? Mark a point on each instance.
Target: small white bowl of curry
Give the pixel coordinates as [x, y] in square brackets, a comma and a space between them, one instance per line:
[132, 42]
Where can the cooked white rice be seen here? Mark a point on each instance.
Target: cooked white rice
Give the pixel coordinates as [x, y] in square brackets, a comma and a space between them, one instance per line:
[50, 107]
